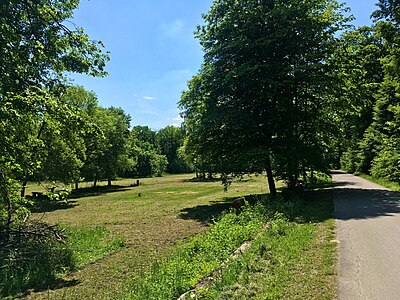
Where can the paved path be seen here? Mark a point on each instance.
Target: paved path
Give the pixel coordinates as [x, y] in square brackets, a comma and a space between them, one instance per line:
[368, 231]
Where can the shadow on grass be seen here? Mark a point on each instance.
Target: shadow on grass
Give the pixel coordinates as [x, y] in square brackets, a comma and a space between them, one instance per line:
[206, 213]
[50, 206]
[44, 204]
[314, 206]
[199, 179]
[98, 190]
[57, 284]
[317, 206]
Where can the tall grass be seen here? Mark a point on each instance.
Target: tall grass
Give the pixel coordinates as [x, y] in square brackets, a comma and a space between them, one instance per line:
[36, 263]
[90, 244]
[191, 261]
[199, 257]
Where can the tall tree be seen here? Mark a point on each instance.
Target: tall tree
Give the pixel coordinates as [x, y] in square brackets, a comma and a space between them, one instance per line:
[37, 48]
[356, 63]
[113, 159]
[258, 100]
[386, 121]
[169, 140]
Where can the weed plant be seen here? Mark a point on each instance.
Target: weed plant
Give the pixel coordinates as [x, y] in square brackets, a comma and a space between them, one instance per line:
[36, 263]
[31, 260]
[204, 253]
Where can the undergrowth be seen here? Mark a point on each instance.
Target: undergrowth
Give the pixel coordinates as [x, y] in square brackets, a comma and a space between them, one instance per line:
[203, 254]
[37, 258]
[383, 182]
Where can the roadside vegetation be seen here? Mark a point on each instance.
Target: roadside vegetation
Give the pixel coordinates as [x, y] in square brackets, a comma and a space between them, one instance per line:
[290, 255]
[383, 182]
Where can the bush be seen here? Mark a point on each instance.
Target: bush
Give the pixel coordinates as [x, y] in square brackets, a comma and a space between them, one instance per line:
[387, 164]
[204, 253]
[31, 255]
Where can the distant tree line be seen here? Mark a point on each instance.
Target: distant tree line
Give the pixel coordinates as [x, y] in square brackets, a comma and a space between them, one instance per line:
[97, 143]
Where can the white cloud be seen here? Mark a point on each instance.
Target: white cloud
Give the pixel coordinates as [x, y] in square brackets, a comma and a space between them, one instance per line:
[172, 29]
[145, 98]
[148, 98]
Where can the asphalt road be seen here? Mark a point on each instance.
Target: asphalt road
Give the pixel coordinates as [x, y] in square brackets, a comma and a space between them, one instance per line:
[368, 232]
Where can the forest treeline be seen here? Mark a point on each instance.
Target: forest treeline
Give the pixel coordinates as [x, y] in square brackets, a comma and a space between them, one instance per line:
[286, 87]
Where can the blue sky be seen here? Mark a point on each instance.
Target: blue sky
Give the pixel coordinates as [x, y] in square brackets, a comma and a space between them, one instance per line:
[153, 52]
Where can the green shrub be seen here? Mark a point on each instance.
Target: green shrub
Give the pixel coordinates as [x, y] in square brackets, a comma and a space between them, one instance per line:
[31, 257]
[204, 253]
[36, 253]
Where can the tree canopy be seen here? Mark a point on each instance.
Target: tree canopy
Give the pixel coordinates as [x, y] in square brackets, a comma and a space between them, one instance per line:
[258, 102]
[38, 46]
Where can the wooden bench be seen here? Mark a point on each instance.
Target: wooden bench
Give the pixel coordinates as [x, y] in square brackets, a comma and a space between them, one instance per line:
[37, 194]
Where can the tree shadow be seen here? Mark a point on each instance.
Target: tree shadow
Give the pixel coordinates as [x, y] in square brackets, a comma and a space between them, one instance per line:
[343, 183]
[57, 284]
[316, 206]
[200, 179]
[50, 206]
[205, 214]
[97, 190]
[358, 203]
[312, 206]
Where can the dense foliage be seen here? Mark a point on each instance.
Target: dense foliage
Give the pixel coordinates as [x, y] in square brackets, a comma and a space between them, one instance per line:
[260, 100]
[373, 141]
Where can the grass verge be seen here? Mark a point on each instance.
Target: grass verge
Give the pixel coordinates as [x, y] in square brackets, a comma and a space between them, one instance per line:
[383, 182]
[293, 258]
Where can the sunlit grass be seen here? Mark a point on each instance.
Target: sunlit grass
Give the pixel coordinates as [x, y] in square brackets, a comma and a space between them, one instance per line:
[150, 219]
[383, 182]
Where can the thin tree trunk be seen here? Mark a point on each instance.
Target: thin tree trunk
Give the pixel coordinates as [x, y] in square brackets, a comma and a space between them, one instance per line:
[23, 188]
[270, 178]
[76, 185]
[33, 156]
[6, 197]
[109, 182]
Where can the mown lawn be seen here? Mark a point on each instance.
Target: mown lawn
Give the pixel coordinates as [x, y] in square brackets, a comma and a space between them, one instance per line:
[150, 219]
[167, 247]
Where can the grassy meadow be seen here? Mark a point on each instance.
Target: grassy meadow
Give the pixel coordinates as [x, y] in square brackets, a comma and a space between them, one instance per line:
[169, 209]
[158, 238]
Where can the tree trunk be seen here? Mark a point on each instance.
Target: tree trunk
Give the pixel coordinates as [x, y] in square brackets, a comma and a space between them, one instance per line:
[109, 182]
[76, 185]
[270, 177]
[23, 188]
